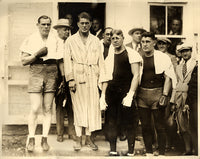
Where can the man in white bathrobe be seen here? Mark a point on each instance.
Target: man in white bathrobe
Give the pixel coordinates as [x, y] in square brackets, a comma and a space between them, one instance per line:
[83, 63]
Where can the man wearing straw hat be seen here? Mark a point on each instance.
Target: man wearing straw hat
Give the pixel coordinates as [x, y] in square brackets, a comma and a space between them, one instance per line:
[62, 97]
[135, 33]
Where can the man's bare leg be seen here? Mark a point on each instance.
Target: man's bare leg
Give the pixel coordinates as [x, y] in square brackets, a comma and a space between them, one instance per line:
[47, 114]
[35, 100]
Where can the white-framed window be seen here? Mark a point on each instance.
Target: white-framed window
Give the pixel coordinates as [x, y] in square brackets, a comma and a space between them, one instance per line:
[166, 20]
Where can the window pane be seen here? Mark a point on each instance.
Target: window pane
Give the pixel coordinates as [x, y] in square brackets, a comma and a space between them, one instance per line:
[175, 20]
[157, 19]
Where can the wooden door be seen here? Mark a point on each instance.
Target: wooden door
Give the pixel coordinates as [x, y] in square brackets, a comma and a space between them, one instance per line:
[21, 22]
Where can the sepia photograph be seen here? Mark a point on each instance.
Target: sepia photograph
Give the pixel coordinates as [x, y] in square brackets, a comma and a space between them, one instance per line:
[99, 79]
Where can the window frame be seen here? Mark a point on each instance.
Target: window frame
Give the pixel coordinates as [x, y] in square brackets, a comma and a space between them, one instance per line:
[167, 4]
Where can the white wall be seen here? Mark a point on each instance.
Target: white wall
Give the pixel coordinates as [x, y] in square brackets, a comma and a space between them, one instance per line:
[127, 14]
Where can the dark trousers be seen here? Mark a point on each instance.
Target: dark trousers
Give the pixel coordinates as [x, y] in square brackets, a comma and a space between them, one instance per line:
[60, 114]
[159, 121]
[116, 115]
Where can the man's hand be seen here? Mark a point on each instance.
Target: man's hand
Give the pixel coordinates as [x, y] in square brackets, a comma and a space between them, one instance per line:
[61, 89]
[72, 86]
[163, 101]
[173, 107]
[42, 52]
[103, 104]
[127, 101]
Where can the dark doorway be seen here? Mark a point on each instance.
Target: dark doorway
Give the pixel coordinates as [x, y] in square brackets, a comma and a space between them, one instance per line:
[96, 10]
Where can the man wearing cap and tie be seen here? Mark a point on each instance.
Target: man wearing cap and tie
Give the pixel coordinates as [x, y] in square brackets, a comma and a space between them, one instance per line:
[136, 33]
[179, 94]
[62, 96]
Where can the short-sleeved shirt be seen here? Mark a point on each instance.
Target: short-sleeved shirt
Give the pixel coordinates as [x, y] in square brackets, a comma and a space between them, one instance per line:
[60, 48]
[34, 43]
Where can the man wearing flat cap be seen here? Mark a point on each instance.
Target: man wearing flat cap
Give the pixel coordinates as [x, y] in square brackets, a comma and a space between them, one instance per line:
[62, 96]
[135, 33]
[179, 94]
[163, 45]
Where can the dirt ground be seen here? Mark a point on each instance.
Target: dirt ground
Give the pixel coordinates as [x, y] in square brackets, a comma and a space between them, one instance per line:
[14, 139]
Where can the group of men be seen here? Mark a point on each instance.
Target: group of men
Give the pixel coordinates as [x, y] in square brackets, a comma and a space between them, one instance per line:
[87, 75]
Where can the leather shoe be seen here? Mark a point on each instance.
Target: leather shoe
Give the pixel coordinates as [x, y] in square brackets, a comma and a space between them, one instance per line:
[113, 153]
[122, 137]
[127, 154]
[90, 143]
[60, 138]
[44, 144]
[31, 144]
[77, 146]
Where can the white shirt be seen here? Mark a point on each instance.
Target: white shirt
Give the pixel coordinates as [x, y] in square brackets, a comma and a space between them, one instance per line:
[133, 57]
[134, 46]
[60, 48]
[34, 43]
[162, 64]
[97, 33]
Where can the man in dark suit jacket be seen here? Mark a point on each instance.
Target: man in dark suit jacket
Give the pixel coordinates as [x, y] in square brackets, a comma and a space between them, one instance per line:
[136, 33]
[96, 28]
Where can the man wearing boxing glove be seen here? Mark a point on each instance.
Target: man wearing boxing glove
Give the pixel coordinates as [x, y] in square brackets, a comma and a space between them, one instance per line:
[39, 51]
[158, 73]
[123, 75]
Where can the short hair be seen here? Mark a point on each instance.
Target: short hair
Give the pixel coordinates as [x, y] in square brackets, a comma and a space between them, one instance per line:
[84, 15]
[149, 34]
[44, 17]
[106, 29]
[116, 31]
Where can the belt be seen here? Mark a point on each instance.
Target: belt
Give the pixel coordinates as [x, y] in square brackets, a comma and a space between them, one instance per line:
[41, 61]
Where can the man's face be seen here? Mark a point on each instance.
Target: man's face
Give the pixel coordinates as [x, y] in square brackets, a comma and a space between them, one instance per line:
[69, 16]
[84, 25]
[44, 27]
[178, 53]
[63, 32]
[147, 44]
[117, 41]
[186, 54]
[176, 24]
[136, 36]
[107, 37]
[162, 46]
[95, 25]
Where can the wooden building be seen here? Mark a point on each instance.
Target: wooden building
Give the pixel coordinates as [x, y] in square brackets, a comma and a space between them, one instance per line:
[18, 19]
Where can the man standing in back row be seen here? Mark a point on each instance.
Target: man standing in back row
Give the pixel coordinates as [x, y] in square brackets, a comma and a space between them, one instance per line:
[83, 63]
[62, 97]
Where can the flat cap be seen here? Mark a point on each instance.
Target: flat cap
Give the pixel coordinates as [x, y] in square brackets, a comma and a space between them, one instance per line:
[185, 46]
[165, 40]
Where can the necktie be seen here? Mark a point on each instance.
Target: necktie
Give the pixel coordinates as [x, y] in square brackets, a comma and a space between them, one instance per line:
[184, 69]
